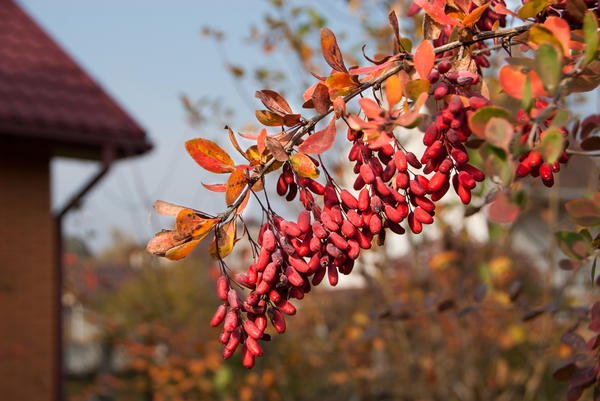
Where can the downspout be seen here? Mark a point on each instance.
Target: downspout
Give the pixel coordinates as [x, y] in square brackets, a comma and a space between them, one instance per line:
[108, 157]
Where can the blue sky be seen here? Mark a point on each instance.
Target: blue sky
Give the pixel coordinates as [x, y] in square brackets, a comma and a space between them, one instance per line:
[145, 54]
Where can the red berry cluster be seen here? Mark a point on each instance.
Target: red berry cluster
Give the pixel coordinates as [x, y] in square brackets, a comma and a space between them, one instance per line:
[445, 137]
[531, 162]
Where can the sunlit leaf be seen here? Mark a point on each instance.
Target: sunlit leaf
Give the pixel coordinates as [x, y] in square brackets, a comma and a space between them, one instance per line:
[415, 87]
[394, 90]
[475, 15]
[435, 9]
[532, 8]
[541, 34]
[590, 34]
[561, 30]
[234, 141]
[370, 107]
[163, 241]
[424, 58]
[340, 84]
[209, 155]
[190, 223]
[331, 50]
[320, 141]
[551, 145]
[268, 118]
[548, 65]
[235, 185]
[303, 165]
[181, 251]
[512, 80]
[224, 240]
[274, 102]
[479, 119]
[261, 141]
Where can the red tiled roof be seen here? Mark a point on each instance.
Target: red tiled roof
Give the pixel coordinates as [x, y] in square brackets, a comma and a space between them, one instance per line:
[45, 95]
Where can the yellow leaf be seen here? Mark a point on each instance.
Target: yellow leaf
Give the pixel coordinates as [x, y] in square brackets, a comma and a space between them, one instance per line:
[181, 251]
[303, 165]
[224, 240]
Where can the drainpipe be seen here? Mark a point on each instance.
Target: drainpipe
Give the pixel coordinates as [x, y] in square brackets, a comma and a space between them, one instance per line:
[108, 157]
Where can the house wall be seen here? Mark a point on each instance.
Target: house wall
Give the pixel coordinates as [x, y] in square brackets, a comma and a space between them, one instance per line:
[28, 306]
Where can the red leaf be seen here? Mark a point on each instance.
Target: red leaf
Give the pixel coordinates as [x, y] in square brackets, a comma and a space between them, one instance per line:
[274, 102]
[560, 28]
[436, 10]
[502, 210]
[370, 107]
[320, 141]
[261, 141]
[215, 187]
[424, 59]
[209, 155]
[331, 50]
[269, 118]
[475, 15]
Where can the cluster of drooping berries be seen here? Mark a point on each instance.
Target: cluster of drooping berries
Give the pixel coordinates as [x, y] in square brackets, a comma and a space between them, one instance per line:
[532, 162]
[446, 155]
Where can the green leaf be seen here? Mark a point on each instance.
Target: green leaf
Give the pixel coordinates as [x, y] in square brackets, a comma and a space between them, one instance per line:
[548, 65]
[527, 94]
[532, 8]
[551, 145]
[590, 34]
[574, 245]
[480, 118]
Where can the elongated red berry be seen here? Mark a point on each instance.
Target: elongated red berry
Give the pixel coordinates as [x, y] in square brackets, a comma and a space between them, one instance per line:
[278, 321]
[219, 316]
[348, 200]
[222, 288]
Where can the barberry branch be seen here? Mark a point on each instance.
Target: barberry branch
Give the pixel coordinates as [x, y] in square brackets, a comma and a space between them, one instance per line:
[308, 125]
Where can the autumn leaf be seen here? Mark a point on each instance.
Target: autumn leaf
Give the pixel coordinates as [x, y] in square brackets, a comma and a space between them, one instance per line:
[190, 223]
[261, 142]
[274, 102]
[436, 10]
[331, 50]
[320, 141]
[512, 81]
[303, 165]
[276, 149]
[234, 141]
[394, 90]
[224, 240]
[479, 120]
[181, 251]
[320, 99]
[163, 241]
[424, 58]
[502, 210]
[209, 155]
[340, 84]
[475, 15]
[166, 208]
[269, 118]
[235, 185]
[215, 187]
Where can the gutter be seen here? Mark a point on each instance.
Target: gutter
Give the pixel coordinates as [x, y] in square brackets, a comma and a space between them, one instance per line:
[108, 157]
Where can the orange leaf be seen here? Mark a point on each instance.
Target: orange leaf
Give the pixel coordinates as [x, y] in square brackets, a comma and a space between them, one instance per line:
[475, 15]
[234, 141]
[512, 81]
[560, 28]
[303, 165]
[209, 155]
[244, 203]
[268, 118]
[181, 251]
[274, 102]
[235, 185]
[224, 240]
[320, 141]
[339, 106]
[393, 90]
[189, 223]
[424, 59]
[370, 107]
[163, 241]
[340, 84]
[331, 50]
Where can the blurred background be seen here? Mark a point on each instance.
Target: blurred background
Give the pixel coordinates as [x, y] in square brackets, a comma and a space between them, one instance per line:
[96, 101]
